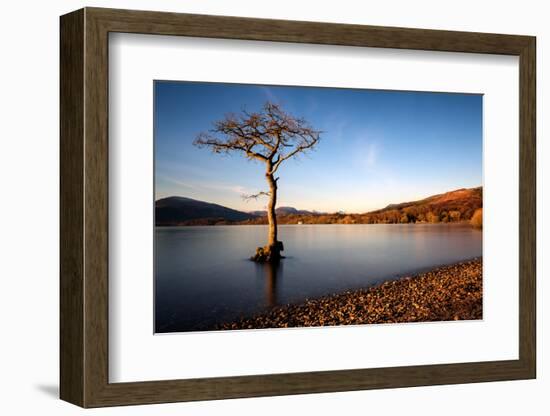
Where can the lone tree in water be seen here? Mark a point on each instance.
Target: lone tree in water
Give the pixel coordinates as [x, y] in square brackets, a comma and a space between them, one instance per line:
[270, 136]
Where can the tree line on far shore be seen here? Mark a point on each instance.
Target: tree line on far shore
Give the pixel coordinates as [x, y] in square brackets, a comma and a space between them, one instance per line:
[473, 216]
[405, 216]
[461, 205]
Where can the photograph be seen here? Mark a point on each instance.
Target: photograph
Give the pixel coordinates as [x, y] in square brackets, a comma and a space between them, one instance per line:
[282, 206]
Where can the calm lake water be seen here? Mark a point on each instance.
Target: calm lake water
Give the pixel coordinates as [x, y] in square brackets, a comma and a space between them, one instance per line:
[203, 275]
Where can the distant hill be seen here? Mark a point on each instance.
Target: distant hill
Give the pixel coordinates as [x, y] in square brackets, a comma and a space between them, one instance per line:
[449, 200]
[451, 206]
[285, 211]
[294, 211]
[454, 206]
[460, 196]
[178, 210]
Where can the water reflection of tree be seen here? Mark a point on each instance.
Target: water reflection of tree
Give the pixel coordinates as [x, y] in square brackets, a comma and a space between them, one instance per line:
[272, 273]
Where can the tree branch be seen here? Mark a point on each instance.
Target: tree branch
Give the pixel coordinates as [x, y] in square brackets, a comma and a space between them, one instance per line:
[301, 148]
[219, 146]
[255, 196]
[271, 136]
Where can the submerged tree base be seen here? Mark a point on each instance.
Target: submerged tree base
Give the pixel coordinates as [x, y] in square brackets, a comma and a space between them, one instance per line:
[269, 253]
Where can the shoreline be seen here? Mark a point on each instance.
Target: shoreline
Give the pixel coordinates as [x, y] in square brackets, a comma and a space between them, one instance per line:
[445, 293]
[234, 224]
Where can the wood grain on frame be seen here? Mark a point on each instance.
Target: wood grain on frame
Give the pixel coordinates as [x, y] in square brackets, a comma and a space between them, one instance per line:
[72, 214]
[84, 207]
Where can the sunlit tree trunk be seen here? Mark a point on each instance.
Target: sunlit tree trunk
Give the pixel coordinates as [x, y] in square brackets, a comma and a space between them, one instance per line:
[271, 216]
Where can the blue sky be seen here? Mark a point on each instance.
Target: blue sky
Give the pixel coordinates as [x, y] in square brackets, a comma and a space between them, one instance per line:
[377, 147]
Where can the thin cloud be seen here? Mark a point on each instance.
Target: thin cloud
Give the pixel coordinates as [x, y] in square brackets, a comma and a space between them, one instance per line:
[177, 182]
[215, 186]
[367, 154]
[269, 95]
[371, 154]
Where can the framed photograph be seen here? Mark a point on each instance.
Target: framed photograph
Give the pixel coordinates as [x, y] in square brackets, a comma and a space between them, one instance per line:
[255, 207]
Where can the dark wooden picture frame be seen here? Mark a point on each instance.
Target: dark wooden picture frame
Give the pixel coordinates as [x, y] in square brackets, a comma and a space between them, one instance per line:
[84, 207]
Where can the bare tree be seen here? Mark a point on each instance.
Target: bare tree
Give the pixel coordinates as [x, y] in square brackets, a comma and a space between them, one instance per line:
[270, 136]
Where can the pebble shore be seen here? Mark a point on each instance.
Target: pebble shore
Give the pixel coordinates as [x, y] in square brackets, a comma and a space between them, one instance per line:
[447, 293]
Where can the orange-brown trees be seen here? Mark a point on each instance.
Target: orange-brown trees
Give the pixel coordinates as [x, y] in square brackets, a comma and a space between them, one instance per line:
[477, 218]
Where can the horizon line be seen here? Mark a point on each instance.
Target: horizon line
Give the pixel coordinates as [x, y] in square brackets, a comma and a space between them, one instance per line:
[322, 212]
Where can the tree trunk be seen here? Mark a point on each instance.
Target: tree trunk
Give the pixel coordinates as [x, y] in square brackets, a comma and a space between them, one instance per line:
[271, 216]
[272, 251]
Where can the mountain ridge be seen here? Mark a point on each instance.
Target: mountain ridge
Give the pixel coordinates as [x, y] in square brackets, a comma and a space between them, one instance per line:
[451, 206]
[176, 210]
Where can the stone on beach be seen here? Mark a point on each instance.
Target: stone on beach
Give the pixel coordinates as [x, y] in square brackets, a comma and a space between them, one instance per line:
[447, 293]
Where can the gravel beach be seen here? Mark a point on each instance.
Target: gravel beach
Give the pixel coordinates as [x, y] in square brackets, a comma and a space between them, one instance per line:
[452, 292]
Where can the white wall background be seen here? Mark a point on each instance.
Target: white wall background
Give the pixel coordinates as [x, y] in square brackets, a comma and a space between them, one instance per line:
[29, 160]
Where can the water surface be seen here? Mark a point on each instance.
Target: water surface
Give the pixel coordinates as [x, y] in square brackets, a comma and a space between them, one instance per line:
[203, 276]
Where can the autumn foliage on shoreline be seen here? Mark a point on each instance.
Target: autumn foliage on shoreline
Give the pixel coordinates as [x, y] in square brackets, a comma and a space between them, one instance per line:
[477, 219]
[451, 207]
